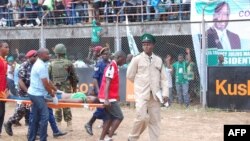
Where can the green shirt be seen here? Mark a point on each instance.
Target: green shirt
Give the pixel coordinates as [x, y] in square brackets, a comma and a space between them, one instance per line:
[49, 4]
[190, 71]
[34, 1]
[79, 95]
[180, 72]
[95, 37]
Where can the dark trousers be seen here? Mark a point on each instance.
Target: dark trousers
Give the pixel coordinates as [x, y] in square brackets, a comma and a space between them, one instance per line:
[11, 86]
[2, 113]
[3, 10]
[52, 122]
[21, 111]
[99, 113]
[40, 115]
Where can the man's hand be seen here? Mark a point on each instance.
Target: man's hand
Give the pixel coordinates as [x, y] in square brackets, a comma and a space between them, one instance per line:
[188, 50]
[55, 100]
[165, 99]
[6, 92]
[168, 58]
[107, 103]
[53, 93]
[90, 49]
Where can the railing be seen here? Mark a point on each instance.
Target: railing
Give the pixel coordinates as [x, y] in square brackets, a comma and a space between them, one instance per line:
[108, 13]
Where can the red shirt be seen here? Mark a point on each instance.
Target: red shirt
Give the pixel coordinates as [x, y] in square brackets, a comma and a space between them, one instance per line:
[3, 80]
[68, 3]
[111, 71]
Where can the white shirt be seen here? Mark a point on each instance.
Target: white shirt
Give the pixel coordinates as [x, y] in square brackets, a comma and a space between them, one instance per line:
[186, 1]
[110, 71]
[9, 74]
[169, 77]
[39, 71]
[223, 39]
[80, 64]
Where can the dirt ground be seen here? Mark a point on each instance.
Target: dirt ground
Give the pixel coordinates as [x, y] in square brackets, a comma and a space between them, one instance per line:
[178, 124]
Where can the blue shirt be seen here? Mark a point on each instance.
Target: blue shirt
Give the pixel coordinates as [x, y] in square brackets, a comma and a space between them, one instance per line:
[39, 71]
[99, 70]
[16, 79]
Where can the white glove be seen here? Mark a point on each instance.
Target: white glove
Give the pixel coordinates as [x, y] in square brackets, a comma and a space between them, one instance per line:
[55, 100]
[59, 91]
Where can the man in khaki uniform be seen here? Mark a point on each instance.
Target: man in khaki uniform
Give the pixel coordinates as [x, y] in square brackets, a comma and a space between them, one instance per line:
[147, 72]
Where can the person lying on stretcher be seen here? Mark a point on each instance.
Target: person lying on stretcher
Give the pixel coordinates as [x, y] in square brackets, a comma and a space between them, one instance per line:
[78, 97]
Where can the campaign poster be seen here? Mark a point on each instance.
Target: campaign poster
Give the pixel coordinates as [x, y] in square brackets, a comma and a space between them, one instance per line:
[226, 31]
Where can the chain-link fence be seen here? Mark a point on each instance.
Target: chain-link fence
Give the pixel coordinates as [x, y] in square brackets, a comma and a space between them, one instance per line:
[165, 44]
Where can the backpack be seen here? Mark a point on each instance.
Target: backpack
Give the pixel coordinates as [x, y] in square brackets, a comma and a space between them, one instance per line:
[59, 71]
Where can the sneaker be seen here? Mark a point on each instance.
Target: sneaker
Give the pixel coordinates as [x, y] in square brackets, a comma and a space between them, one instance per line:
[79, 24]
[25, 25]
[58, 134]
[38, 21]
[18, 25]
[4, 22]
[88, 128]
[8, 129]
[30, 25]
[108, 139]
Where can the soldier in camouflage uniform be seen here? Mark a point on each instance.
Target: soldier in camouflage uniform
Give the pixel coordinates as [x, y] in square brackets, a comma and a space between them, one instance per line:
[24, 83]
[62, 74]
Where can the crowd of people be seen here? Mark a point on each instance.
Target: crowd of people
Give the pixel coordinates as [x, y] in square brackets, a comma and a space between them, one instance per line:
[28, 13]
[36, 77]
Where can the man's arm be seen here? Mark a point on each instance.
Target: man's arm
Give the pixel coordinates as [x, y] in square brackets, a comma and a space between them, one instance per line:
[96, 75]
[48, 87]
[132, 69]
[188, 56]
[169, 66]
[22, 85]
[44, 76]
[73, 77]
[103, 31]
[21, 75]
[106, 91]
[52, 86]
[164, 84]
[96, 86]
[89, 59]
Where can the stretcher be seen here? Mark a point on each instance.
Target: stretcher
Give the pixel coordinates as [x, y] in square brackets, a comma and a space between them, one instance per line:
[59, 105]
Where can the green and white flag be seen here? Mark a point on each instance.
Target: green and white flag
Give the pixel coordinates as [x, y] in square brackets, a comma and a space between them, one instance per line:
[131, 41]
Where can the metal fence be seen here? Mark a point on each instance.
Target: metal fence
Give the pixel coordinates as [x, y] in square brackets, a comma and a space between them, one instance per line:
[166, 44]
[81, 13]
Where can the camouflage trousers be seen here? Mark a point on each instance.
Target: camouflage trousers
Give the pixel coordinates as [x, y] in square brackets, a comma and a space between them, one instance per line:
[65, 112]
[22, 110]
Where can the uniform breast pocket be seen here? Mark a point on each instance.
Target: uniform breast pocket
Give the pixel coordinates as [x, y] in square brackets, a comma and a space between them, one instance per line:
[142, 67]
[158, 66]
